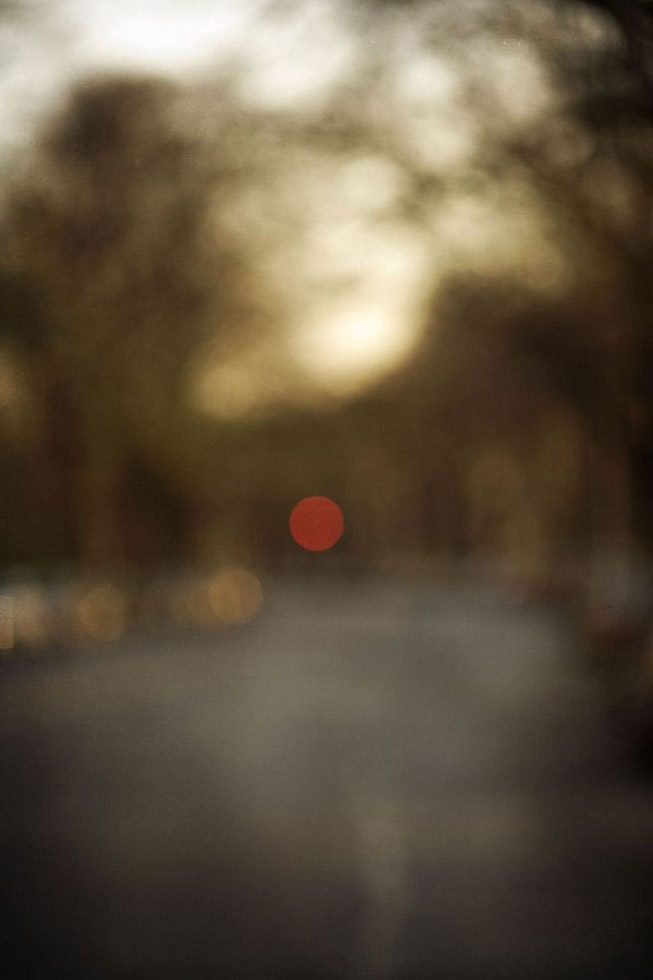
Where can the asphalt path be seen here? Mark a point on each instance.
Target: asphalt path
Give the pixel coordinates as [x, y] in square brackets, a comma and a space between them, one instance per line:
[375, 778]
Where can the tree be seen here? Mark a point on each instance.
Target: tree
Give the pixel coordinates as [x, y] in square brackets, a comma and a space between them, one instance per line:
[108, 245]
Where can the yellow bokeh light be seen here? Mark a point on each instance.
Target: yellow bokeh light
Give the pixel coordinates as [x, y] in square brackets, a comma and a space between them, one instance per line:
[31, 617]
[101, 614]
[235, 595]
[7, 628]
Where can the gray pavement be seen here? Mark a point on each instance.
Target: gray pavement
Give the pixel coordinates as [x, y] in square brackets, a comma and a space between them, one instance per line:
[373, 779]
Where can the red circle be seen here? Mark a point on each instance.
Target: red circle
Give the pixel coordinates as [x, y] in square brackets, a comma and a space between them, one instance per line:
[316, 523]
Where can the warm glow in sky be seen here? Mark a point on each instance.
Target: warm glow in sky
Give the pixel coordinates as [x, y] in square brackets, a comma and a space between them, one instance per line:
[351, 343]
[358, 279]
[163, 35]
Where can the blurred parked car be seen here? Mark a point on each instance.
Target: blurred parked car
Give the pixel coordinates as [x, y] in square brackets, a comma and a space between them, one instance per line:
[616, 608]
[617, 635]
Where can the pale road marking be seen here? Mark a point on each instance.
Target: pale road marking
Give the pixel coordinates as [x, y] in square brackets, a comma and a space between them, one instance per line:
[383, 847]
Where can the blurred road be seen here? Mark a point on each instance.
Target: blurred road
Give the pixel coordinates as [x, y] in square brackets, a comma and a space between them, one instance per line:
[373, 779]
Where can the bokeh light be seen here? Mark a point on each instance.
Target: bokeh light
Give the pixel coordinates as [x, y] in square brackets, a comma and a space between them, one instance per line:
[235, 595]
[101, 614]
[317, 523]
[30, 617]
[7, 629]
